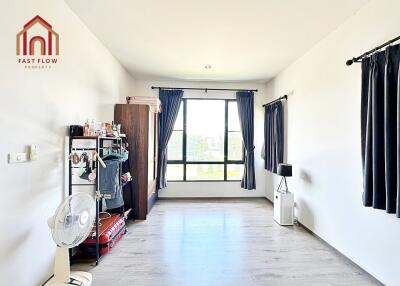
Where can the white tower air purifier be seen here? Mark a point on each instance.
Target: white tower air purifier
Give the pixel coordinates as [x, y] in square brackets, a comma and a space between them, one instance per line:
[283, 208]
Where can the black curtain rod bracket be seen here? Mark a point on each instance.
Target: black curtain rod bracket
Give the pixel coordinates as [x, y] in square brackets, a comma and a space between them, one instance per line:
[205, 89]
[359, 58]
[276, 100]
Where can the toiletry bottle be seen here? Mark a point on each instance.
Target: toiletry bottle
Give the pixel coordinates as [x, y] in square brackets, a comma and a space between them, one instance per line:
[86, 128]
[92, 128]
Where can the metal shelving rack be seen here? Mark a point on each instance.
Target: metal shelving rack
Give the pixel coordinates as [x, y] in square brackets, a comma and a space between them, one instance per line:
[97, 196]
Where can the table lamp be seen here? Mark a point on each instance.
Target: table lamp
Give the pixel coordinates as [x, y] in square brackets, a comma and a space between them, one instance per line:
[284, 170]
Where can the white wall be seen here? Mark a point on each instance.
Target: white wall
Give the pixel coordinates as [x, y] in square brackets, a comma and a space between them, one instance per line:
[216, 189]
[323, 142]
[36, 106]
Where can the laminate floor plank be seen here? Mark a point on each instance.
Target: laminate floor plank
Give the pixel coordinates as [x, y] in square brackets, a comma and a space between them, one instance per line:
[221, 242]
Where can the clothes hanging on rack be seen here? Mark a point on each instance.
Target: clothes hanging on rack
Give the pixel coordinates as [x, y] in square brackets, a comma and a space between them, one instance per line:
[109, 185]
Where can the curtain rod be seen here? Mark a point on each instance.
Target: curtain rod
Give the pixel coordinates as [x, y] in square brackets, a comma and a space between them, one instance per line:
[204, 88]
[276, 100]
[359, 58]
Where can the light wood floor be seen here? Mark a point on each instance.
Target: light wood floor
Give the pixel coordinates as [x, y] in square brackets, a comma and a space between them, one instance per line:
[220, 242]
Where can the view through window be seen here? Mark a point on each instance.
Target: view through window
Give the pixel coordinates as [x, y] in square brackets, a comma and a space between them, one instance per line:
[206, 144]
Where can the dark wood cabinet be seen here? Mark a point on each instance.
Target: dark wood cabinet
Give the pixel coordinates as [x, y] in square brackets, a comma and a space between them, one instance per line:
[140, 124]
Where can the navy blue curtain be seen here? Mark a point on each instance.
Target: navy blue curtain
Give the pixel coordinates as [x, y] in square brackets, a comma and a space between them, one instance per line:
[170, 103]
[380, 130]
[273, 136]
[245, 103]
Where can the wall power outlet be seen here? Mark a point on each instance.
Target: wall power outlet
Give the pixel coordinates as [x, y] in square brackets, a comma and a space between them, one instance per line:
[33, 152]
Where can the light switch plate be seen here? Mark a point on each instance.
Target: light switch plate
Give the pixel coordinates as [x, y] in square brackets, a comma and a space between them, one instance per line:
[17, 158]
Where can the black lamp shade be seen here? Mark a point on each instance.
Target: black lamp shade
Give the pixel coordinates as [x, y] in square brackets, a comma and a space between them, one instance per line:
[284, 170]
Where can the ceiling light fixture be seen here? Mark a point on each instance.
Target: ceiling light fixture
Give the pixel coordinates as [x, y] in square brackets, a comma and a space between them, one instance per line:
[207, 67]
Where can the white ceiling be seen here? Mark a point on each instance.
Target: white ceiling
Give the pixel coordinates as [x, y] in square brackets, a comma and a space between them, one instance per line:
[241, 40]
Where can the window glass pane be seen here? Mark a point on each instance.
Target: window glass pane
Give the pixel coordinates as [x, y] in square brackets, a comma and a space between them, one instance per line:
[235, 146]
[233, 116]
[205, 130]
[174, 172]
[175, 146]
[204, 172]
[179, 120]
[234, 171]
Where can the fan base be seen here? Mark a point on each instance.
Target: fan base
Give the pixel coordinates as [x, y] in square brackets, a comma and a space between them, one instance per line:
[79, 278]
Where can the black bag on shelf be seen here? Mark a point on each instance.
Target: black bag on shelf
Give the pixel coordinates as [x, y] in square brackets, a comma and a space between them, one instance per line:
[75, 130]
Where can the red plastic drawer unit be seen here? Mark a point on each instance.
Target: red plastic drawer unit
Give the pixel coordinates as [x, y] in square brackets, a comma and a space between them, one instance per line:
[111, 231]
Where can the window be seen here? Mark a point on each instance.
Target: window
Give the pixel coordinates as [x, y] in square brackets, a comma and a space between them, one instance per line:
[206, 144]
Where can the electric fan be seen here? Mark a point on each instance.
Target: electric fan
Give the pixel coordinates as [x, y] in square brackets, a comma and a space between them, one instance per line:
[70, 226]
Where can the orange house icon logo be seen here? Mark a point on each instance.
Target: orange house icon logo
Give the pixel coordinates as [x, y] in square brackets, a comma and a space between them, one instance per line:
[29, 38]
